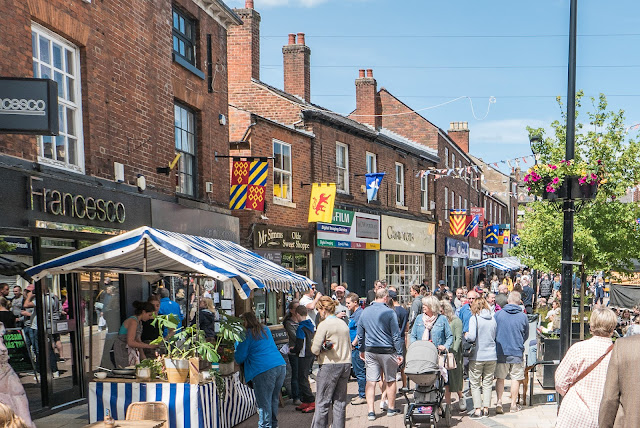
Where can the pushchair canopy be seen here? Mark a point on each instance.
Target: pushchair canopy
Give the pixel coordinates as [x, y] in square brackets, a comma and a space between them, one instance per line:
[422, 357]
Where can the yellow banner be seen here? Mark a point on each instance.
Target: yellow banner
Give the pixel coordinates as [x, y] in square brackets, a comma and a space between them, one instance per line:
[323, 196]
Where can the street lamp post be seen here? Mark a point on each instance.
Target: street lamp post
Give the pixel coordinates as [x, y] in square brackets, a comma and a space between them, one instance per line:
[568, 204]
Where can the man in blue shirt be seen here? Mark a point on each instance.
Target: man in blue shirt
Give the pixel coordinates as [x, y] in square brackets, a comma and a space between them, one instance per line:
[465, 311]
[168, 306]
[353, 305]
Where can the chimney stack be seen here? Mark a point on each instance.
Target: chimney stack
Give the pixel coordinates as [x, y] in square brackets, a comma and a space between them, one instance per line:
[368, 106]
[243, 46]
[297, 67]
[459, 133]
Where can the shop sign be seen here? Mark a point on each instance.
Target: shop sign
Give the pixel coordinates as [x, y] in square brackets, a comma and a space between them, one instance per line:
[400, 234]
[67, 204]
[456, 249]
[350, 229]
[28, 106]
[20, 246]
[490, 251]
[479, 212]
[272, 256]
[474, 254]
[280, 238]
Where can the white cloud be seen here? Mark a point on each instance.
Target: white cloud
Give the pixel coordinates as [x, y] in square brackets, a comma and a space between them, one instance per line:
[507, 131]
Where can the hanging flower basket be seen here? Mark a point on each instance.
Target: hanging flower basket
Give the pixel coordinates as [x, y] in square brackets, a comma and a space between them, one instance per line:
[567, 179]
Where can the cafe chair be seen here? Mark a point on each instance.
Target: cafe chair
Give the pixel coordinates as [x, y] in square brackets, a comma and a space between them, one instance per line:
[150, 411]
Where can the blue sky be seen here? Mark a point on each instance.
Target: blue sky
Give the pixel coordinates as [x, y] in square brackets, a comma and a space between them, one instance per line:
[429, 52]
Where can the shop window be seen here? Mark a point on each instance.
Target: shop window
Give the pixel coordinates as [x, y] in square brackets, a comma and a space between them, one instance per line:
[455, 272]
[399, 184]
[402, 271]
[282, 174]
[424, 192]
[342, 168]
[185, 139]
[184, 37]
[57, 59]
[296, 262]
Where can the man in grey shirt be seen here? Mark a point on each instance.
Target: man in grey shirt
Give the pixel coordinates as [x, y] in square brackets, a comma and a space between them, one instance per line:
[416, 304]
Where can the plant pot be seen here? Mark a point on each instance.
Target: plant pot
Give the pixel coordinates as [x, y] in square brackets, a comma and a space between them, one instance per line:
[588, 190]
[227, 368]
[177, 370]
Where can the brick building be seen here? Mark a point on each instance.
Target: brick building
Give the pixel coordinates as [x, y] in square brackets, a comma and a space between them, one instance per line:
[138, 83]
[311, 144]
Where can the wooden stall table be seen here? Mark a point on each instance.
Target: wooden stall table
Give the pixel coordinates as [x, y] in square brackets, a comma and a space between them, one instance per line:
[128, 424]
[189, 405]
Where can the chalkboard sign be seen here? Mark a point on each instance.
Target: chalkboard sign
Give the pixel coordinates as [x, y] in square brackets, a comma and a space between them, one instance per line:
[19, 357]
[280, 335]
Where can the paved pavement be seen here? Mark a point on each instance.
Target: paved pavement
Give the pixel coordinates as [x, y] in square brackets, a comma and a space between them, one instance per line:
[539, 416]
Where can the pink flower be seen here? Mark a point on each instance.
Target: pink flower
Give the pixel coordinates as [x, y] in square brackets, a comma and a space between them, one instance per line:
[593, 176]
[550, 188]
[528, 189]
[582, 180]
[555, 180]
[599, 161]
[554, 167]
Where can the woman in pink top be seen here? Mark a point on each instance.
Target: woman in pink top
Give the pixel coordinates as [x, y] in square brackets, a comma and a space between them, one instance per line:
[583, 393]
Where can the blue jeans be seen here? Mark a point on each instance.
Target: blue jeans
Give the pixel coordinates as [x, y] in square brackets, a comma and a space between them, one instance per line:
[358, 369]
[267, 386]
[295, 388]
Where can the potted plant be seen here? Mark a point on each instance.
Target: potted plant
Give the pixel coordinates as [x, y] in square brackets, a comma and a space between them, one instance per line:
[189, 342]
[567, 178]
[149, 368]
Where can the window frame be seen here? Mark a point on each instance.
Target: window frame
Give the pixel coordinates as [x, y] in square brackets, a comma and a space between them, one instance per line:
[190, 43]
[446, 203]
[453, 160]
[194, 166]
[75, 106]
[400, 185]
[453, 200]
[446, 157]
[424, 192]
[344, 170]
[289, 196]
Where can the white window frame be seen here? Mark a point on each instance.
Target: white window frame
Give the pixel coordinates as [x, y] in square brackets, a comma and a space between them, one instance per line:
[499, 216]
[190, 185]
[400, 184]
[490, 213]
[459, 202]
[453, 160]
[64, 103]
[466, 204]
[371, 162]
[424, 192]
[284, 172]
[446, 157]
[342, 170]
[402, 270]
[453, 200]
[446, 203]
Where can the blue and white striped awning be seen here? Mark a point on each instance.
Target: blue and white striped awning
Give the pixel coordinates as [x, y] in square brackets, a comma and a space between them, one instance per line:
[155, 253]
[501, 263]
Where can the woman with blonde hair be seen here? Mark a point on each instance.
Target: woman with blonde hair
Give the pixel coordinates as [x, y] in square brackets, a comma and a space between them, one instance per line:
[432, 325]
[455, 375]
[581, 375]
[482, 362]
[332, 344]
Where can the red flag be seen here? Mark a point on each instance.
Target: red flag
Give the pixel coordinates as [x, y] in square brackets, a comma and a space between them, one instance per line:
[474, 233]
[240, 172]
[255, 197]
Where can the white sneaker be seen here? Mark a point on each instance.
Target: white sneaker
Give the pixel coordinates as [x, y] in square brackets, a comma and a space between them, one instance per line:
[384, 405]
[56, 375]
[462, 405]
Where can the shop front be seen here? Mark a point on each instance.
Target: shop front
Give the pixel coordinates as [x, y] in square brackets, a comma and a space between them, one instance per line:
[348, 247]
[455, 262]
[46, 215]
[407, 253]
[290, 248]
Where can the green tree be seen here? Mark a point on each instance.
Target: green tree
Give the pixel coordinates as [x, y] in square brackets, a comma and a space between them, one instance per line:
[606, 234]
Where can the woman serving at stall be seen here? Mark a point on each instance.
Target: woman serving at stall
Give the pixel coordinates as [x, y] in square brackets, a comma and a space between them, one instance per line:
[126, 347]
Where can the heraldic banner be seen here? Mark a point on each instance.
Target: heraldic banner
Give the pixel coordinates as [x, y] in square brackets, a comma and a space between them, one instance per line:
[323, 196]
[248, 181]
[457, 222]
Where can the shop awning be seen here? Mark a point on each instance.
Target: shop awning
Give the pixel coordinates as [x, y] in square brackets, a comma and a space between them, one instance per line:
[156, 253]
[501, 263]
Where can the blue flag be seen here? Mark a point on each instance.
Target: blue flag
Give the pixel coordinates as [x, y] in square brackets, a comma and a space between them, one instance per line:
[472, 225]
[491, 236]
[373, 184]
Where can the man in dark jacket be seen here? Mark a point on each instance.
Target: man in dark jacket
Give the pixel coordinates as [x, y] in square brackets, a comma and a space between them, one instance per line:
[512, 328]
[528, 294]
[290, 324]
[304, 338]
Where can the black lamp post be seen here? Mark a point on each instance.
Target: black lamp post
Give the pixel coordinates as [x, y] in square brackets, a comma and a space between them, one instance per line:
[568, 204]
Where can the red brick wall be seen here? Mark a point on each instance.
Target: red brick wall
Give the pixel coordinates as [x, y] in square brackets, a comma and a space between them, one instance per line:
[409, 125]
[244, 48]
[129, 84]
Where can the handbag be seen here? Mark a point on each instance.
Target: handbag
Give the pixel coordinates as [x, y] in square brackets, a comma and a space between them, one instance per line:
[468, 347]
[448, 361]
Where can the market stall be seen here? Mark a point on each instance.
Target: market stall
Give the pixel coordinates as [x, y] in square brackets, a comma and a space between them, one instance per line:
[500, 263]
[154, 254]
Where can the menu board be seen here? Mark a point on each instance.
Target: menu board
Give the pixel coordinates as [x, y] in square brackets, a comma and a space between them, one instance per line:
[19, 358]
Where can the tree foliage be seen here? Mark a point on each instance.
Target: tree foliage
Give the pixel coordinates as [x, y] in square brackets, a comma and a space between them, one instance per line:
[606, 234]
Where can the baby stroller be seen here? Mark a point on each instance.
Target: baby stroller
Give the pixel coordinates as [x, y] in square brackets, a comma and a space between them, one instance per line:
[422, 368]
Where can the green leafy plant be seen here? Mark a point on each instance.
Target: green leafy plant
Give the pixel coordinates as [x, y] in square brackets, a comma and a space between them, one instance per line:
[154, 364]
[188, 342]
[220, 385]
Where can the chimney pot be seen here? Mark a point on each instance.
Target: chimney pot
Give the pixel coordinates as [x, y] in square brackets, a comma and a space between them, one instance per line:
[248, 4]
[292, 39]
[301, 38]
[361, 74]
[369, 72]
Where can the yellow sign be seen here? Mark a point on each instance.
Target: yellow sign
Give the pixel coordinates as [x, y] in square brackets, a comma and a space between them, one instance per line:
[323, 196]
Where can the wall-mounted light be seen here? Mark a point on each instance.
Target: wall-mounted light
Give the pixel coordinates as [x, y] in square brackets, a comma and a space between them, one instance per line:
[141, 182]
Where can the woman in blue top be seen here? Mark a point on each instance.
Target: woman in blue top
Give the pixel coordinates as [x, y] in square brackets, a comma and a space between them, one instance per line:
[127, 345]
[432, 325]
[264, 366]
